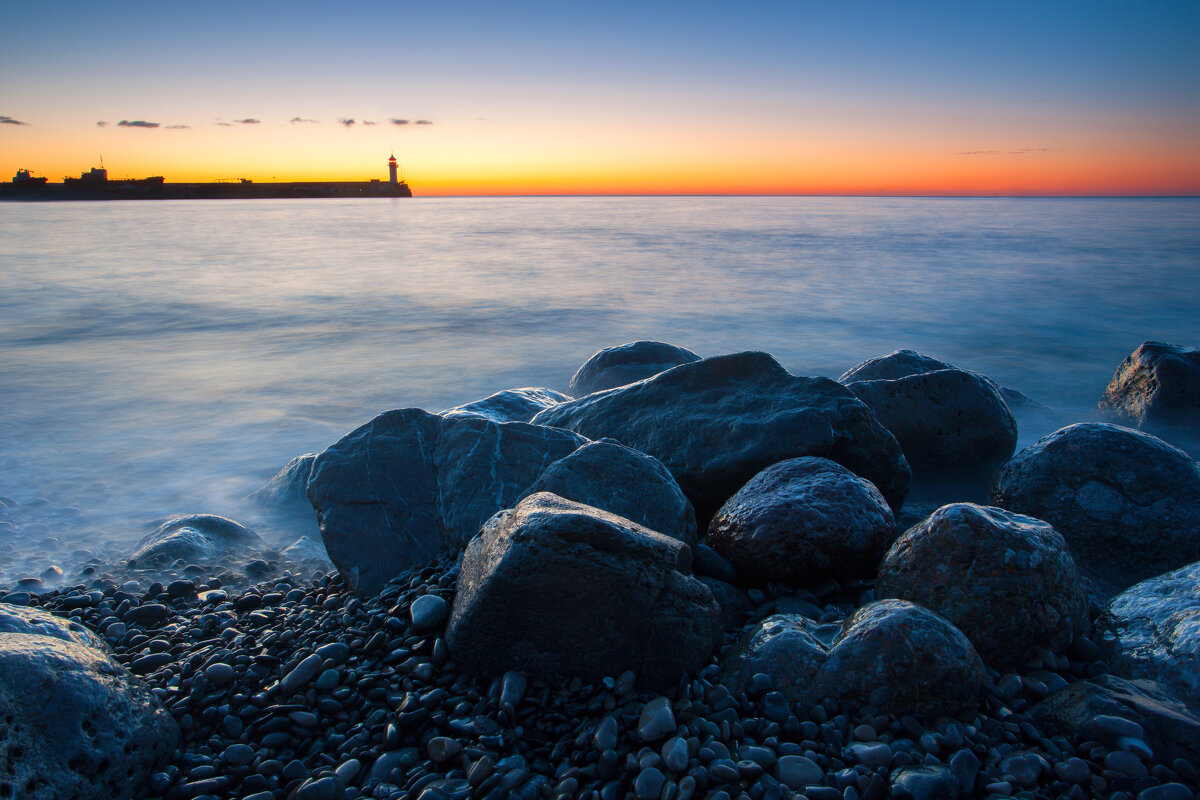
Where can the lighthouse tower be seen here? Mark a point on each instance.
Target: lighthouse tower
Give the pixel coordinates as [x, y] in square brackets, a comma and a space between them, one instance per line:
[392, 170]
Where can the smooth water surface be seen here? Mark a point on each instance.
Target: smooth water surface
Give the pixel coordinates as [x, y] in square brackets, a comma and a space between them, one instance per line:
[167, 357]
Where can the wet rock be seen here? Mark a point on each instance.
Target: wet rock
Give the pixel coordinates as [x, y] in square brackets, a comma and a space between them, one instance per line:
[734, 604]
[716, 423]
[895, 365]
[901, 658]
[1152, 630]
[1172, 729]
[1157, 390]
[197, 537]
[556, 588]
[797, 771]
[429, 612]
[781, 646]
[1128, 504]
[287, 492]
[510, 405]
[20, 619]
[75, 723]
[1007, 581]
[926, 782]
[622, 481]
[409, 485]
[803, 520]
[627, 363]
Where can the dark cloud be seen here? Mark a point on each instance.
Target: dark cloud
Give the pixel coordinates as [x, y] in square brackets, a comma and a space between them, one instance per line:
[136, 123]
[395, 121]
[225, 124]
[178, 127]
[101, 124]
[246, 121]
[10, 121]
[369, 122]
[424, 122]
[349, 123]
[295, 120]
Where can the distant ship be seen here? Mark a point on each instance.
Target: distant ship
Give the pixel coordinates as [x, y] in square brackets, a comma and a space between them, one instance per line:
[95, 185]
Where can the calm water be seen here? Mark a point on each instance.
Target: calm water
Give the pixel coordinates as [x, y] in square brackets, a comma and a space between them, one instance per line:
[163, 358]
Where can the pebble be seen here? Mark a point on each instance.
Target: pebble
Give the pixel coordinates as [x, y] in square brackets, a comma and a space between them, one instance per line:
[656, 720]
[512, 689]
[649, 783]
[675, 754]
[873, 754]
[429, 612]
[1126, 763]
[220, 674]
[926, 782]
[1167, 791]
[301, 674]
[796, 772]
[605, 736]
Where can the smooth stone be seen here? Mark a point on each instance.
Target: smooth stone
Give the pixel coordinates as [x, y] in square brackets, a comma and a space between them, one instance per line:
[796, 772]
[220, 674]
[510, 405]
[319, 789]
[287, 491]
[196, 537]
[964, 765]
[649, 784]
[870, 754]
[626, 363]
[1024, 769]
[781, 646]
[301, 674]
[429, 611]
[22, 619]
[656, 720]
[925, 782]
[328, 679]
[512, 689]
[605, 735]
[238, 754]
[675, 754]
[1074, 771]
[1167, 791]
[442, 748]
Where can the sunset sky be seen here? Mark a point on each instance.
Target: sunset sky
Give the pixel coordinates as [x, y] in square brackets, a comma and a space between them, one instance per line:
[613, 97]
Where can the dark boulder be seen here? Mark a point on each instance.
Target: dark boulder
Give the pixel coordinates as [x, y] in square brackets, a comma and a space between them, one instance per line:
[627, 363]
[510, 405]
[409, 486]
[1152, 630]
[803, 520]
[901, 658]
[1007, 581]
[76, 723]
[287, 492]
[196, 537]
[1086, 709]
[622, 481]
[895, 365]
[782, 646]
[558, 589]
[716, 423]
[1157, 389]
[1128, 504]
[733, 602]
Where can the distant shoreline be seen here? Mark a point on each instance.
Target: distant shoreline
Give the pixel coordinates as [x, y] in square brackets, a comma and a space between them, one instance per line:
[157, 190]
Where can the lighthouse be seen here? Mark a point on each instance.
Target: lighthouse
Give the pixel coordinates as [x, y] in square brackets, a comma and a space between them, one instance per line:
[392, 170]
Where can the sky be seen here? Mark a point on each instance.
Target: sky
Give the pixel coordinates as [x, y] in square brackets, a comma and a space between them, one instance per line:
[486, 98]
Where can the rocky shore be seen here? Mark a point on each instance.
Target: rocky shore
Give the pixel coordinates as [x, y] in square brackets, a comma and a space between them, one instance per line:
[707, 583]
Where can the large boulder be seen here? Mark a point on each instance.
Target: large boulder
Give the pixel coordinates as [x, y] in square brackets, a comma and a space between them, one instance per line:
[510, 405]
[782, 646]
[196, 537]
[558, 589]
[622, 481]
[287, 492]
[897, 364]
[1007, 581]
[1152, 630]
[75, 723]
[716, 423]
[409, 486]
[22, 619]
[803, 520]
[627, 363]
[1157, 389]
[1127, 503]
[901, 658]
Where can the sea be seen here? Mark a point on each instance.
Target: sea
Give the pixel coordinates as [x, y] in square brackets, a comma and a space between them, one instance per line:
[165, 358]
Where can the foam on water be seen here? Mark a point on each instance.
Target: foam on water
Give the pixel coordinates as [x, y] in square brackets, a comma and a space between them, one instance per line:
[161, 358]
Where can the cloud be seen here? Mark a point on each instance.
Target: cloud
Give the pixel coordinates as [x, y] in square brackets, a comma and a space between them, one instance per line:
[225, 124]
[136, 123]
[1021, 152]
[395, 121]
[101, 124]
[10, 121]
[295, 120]
[349, 123]
[246, 121]
[424, 122]
[369, 122]
[178, 127]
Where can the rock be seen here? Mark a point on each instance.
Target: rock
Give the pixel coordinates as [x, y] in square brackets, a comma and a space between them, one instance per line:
[299, 675]
[510, 405]
[656, 720]
[1152, 630]
[782, 646]
[1157, 389]
[925, 782]
[901, 658]
[75, 723]
[734, 604]
[196, 537]
[558, 589]
[428, 612]
[287, 492]
[1172, 729]
[895, 365]
[20, 619]
[716, 423]
[622, 481]
[1128, 504]
[796, 772]
[1007, 581]
[409, 486]
[627, 363]
[707, 561]
[803, 520]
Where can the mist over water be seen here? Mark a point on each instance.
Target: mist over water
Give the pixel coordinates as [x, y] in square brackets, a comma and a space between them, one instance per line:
[162, 358]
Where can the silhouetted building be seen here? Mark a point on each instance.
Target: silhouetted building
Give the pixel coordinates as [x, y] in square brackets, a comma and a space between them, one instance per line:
[392, 170]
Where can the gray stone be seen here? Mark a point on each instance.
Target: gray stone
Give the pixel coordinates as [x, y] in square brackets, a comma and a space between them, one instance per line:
[675, 754]
[925, 782]
[301, 674]
[428, 612]
[796, 772]
[649, 784]
[964, 765]
[1128, 504]
[803, 520]
[870, 754]
[626, 363]
[622, 481]
[656, 720]
[21, 619]
[901, 658]
[1157, 390]
[558, 589]
[409, 486]
[74, 723]
[197, 537]
[1007, 581]
[510, 405]
[781, 646]
[716, 423]
[1152, 630]
[1023, 768]
[895, 365]
[287, 492]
